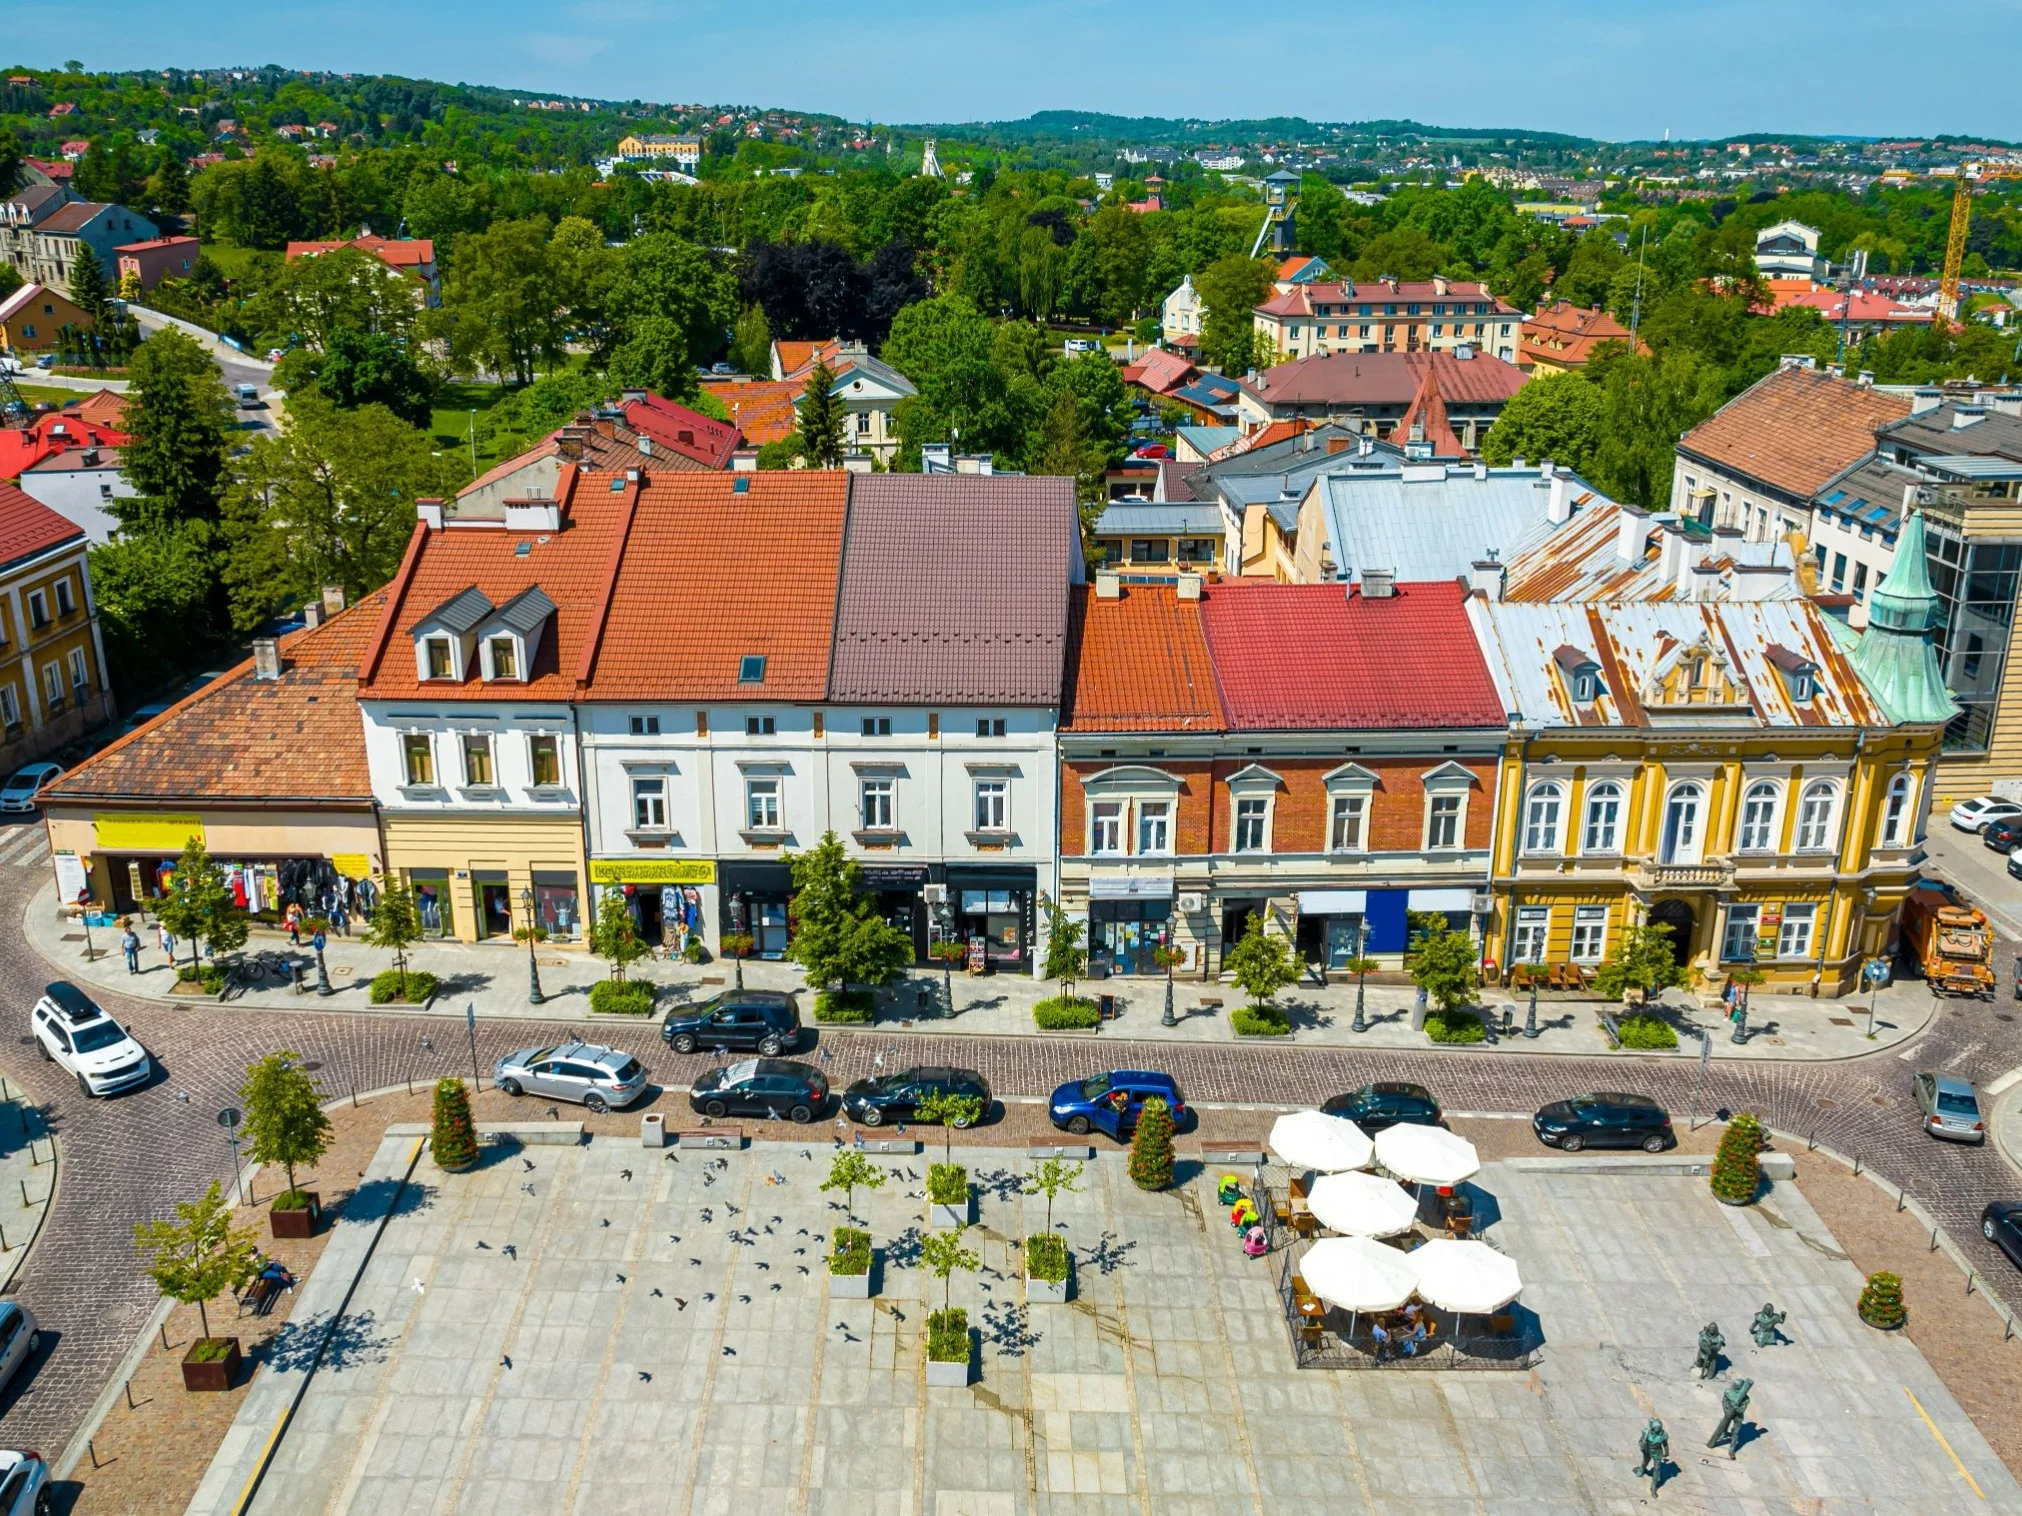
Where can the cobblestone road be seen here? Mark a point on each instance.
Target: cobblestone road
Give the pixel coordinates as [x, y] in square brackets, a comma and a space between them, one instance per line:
[129, 1159]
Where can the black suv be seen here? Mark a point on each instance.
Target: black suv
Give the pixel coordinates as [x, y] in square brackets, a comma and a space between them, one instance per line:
[1604, 1121]
[898, 1097]
[1386, 1103]
[755, 1021]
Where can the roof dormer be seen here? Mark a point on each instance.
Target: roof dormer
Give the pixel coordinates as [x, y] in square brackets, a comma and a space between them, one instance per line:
[1581, 673]
[445, 638]
[509, 639]
[1799, 673]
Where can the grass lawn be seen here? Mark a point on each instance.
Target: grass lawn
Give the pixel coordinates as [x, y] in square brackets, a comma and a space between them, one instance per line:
[35, 394]
[233, 261]
[450, 423]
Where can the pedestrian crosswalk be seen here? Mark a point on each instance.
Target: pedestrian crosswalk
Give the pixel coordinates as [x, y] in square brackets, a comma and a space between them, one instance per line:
[24, 846]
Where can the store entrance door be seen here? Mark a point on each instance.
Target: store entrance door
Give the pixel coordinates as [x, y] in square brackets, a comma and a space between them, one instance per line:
[494, 908]
[769, 931]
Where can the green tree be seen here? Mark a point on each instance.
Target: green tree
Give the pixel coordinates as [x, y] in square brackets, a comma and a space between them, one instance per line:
[502, 305]
[453, 1134]
[371, 368]
[88, 288]
[1066, 958]
[1261, 964]
[111, 170]
[168, 189]
[1445, 968]
[200, 1255]
[197, 903]
[1647, 404]
[614, 936]
[943, 1254]
[841, 940]
[1054, 1178]
[850, 1171]
[670, 302]
[1595, 262]
[1318, 217]
[10, 160]
[395, 926]
[751, 343]
[1736, 1176]
[945, 345]
[285, 1123]
[1403, 252]
[177, 425]
[822, 420]
[1558, 418]
[347, 288]
[153, 588]
[1151, 1155]
[1231, 289]
[1641, 958]
[954, 1112]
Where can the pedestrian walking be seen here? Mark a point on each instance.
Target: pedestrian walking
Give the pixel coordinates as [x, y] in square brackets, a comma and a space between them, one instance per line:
[294, 920]
[129, 944]
[165, 939]
[339, 922]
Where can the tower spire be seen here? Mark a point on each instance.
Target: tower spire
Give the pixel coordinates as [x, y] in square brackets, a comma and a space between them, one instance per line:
[1897, 658]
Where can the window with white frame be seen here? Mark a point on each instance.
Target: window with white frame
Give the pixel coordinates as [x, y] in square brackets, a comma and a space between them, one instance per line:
[761, 804]
[649, 804]
[1896, 812]
[503, 654]
[418, 758]
[10, 706]
[1344, 831]
[1737, 942]
[52, 685]
[1105, 827]
[993, 805]
[1533, 927]
[1442, 822]
[477, 766]
[645, 726]
[65, 602]
[1793, 940]
[1680, 842]
[80, 675]
[874, 804]
[438, 661]
[1815, 817]
[1758, 818]
[1251, 814]
[544, 759]
[1154, 826]
[1541, 818]
[1604, 818]
[1590, 933]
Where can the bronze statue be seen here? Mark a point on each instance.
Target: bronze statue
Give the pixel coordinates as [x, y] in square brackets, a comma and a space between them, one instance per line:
[1733, 1412]
[1767, 1320]
[1655, 1447]
[1710, 1344]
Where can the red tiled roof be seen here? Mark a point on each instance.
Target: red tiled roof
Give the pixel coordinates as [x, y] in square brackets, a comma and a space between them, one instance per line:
[1384, 379]
[1159, 371]
[1565, 334]
[1869, 308]
[28, 527]
[688, 433]
[1301, 299]
[103, 408]
[711, 574]
[21, 448]
[1317, 656]
[401, 252]
[1139, 663]
[1794, 429]
[763, 409]
[797, 359]
[154, 242]
[1427, 416]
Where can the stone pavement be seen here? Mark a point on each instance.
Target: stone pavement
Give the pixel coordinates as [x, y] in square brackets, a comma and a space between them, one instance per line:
[493, 978]
[2001, 1102]
[634, 1356]
[28, 1174]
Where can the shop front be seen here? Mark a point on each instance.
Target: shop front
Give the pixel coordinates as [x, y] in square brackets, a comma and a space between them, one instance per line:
[900, 892]
[1130, 916]
[1332, 925]
[756, 898]
[669, 899]
[477, 882]
[1393, 920]
[994, 906]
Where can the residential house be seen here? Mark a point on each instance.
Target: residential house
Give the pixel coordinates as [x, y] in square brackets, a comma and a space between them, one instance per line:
[685, 153]
[157, 259]
[1141, 537]
[673, 436]
[1388, 316]
[1371, 392]
[32, 319]
[264, 765]
[1180, 315]
[47, 250]
[1789, 250]
[1298, 269]
[1859, 313]
[80, 484]
[869, 389]
[54, 685]
[1202, 791]
[763, 410]
[49, 434]
[1199, 443]
[1561, 337]
[412, 256]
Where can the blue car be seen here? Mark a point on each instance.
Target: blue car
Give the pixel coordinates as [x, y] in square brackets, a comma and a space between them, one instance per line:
[1109, 1103]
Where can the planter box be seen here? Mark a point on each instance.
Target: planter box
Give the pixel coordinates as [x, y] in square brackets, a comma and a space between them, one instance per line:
[949, 1215]
[302, 1223]
[1048, 1291]
[948, 1376]
[850, 1286]
[212, 1374]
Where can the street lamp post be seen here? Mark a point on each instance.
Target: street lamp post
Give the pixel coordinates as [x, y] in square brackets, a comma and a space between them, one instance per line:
[1531, 1016]
[534, 995]
[1170, 955]
[323, 985]
[228, 1118]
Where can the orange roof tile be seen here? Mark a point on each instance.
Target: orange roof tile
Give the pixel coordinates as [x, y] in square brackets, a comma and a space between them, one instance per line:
[1794, 429]
[762, 409]
[28, 527]
[1139, 663]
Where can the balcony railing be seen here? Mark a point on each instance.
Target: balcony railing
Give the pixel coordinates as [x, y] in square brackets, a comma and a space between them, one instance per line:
[1711, 874]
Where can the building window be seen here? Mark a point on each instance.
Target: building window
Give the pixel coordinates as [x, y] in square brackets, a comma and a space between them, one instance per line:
[993, 805]
[761, 804]
[505, 662]
[761, 726]
[1793, 940]
[645, 726]
[1344, 834]
[52, 685]
[1250, 816]
[1896, 812]
[1814, 818]
[420, 753]
[1758, 818]
[1737, 943]
[751, 669]
[545, 753]
[38, 609]
[64, 604]
[1442, 822]
[1681, 825]
[649, 805]
[1533, 928]
[1541, 819]
[875, 804]
[439, 662]
[877, 726]
[1590, 933]
[989, 726]
[477, 770]
[1105, 830]
[1148, 550]
[10, 706]
[1154, 826]
[80, 675]
[1604, 815]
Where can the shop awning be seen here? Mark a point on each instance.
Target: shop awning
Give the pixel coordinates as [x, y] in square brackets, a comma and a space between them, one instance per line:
[1441, 900]
[1130, 886]
[1333, 902]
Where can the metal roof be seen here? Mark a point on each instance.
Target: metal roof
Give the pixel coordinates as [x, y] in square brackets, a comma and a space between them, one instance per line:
[1972, 465]
[461, 613]
[1434, 522]
[1148, 518]
[525, 611]
[1869, 494]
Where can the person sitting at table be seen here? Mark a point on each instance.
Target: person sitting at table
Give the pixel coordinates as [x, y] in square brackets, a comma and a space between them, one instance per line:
[1412, 1340]
[1380, 1338]
[1255, 1244]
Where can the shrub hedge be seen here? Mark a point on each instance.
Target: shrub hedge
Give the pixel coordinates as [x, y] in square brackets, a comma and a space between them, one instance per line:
[849, 1251]
[632, 997]
[1454, 1026]
[1646, 1032]
[1046, 1257]
[386, 987]
[948, 1184]
[948, 1336]
[1066, 1013]
[1259, 1021]
[848, 1007]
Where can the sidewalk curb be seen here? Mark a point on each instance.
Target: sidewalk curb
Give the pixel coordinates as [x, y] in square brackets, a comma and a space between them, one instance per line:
[18, 1257]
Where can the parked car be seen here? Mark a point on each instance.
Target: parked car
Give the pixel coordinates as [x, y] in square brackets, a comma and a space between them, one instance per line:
[2001, 1224]
[775, 1088]
[1076, 345]
[898, 1097]
[24, 1484]
[1389, 1102]
[747, 1021]
[73, 1033]
[1949, 1107]
[2015, 865]
[20, 1340]
[1604, 1121]
[24, 786]
[1971, 815]
[595, 1077]
[1111, 1103]
[2002, 834]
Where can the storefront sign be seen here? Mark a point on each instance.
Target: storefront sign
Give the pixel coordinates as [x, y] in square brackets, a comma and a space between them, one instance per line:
[352, 865]
[667, 871]
[71, 879]
[894, 876]
[1768, 928]
[145, 834]
[1129, 886]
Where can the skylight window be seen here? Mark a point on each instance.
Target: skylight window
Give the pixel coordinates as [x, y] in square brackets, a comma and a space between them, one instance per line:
[751, 669]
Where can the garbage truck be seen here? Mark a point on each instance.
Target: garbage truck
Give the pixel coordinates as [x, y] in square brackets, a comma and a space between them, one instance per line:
[1950, 941]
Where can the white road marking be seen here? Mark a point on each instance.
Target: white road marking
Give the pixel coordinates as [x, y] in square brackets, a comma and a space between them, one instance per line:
[33, 855]
[27, 836]
[1963, 1054]
[1909, 1052]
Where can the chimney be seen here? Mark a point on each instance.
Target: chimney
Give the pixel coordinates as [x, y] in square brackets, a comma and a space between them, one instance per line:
[1674, 555]
[1968, 415]
[2006, 402]
[333, 599]
[1866, 378]
[312, 614]
[1705, 582]
[1378, 584]
[1440, 287]
[1929, 398]
[1189, 587]
[1485, 578]
[1559, 506]
[429, 512]
[1632, 532]
[569, 445]
[645, 446]
[266, 658]
[1108, 586]
[632, 397]
[1547, 468]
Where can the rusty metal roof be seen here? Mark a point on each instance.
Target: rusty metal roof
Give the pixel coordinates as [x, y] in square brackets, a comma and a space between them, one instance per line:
[1582, 561]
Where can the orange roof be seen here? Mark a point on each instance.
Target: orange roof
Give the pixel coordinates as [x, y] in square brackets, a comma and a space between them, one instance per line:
[797, 359]
[1424, 420]
[402, 252]
[762, 409]
[103, 408]
[1565, 334]
[716, 568]
[1159, 371]
[277, 741]
[1267, 434]
[1794, 429]
[1139, 663]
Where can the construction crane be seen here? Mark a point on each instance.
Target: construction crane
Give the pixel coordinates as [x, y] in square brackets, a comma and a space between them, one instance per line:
[1955, 251]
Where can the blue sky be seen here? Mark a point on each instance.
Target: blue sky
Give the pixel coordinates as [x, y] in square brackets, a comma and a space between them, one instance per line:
[1594, 67]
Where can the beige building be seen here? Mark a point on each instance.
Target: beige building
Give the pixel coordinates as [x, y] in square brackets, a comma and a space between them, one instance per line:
[684, 152]
[1436, 315]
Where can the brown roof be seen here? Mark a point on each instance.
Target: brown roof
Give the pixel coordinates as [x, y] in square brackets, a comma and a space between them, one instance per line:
[762, 409]
[1384, 379]
[954, 588]
[1566, 334]
[72, 217]
[1139, 663]
[239, 738]
[1794, 429]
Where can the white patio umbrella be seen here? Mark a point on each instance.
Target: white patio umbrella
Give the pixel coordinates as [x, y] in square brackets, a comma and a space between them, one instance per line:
[1357, 1274]
[1467, 1278]
[1363, 1205]
[1426, 1154]
[1315, 1140]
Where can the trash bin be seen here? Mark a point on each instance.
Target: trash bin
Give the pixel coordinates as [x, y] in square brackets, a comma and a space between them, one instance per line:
[653, 1130]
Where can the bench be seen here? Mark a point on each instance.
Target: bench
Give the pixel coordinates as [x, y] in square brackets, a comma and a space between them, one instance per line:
[727, 1138]
[1082, 1151]
[260, 1295]
[869, 1144]
[1250, 1154]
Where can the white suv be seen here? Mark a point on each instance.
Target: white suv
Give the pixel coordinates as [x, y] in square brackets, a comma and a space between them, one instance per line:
[100, 1052]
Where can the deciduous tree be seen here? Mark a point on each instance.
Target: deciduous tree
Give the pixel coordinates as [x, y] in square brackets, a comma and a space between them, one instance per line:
[841, 939]
[178, 426]
[285, 1123]
[200, 1254]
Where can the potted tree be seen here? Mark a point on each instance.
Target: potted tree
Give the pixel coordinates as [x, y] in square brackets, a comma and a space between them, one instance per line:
[851, 1258]
[197, 905]
[1151, 1147]
[948, 1181]
[1262, 965]
[1445, 968]
[845, 947]
[193, 1259]
[453, 1139]
[614, 937]
[285, 1124]
[1881, 1303]
[949, 1351]
[1048, 1264]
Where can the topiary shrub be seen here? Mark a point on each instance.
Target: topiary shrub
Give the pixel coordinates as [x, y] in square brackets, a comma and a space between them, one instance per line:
[849, 1251]
[1066, 1013]
[847, 1007]
[947, 1184]
[386, 987]
[1259, 1021]
[948, 1336]
[454, 1136]
[1151, 1147]
[1046, 1257]
[1648, 1033]
[1881, 1303]
[1736, 1176]
[613, 997]
[1454, 1026]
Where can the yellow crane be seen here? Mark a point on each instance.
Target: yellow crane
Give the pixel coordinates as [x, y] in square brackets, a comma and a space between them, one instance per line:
[1955, 250]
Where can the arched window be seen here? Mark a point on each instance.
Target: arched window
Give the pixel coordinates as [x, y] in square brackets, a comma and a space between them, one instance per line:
[1896, 812]
[1814, 817]
[1604, 816]
[1681, 825]
[1758, 818]
[1541, 819]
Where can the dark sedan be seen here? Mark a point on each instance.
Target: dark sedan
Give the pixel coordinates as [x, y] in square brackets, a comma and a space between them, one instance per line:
[2003, 834]
[1389, 1102]
[898, 1097]
[1604, 1121]
[2001, 1224]
[777, 1089]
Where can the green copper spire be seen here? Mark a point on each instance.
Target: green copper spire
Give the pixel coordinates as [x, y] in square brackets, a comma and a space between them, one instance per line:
[1896, 658]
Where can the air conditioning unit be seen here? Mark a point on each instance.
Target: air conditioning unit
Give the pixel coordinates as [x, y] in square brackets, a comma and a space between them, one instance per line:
[1193, 905]
[934, 894]
[1484, 903]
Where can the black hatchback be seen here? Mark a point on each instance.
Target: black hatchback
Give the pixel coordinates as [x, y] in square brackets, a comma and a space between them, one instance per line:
[2001, 1224]
[745, 1021]
[2003, 834]
[776, 1088]
[1604, 1121]
[898, 1097]
[1389, 1102]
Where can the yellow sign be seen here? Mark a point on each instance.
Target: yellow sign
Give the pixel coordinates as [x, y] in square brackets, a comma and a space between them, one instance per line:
[352, 865]
[145, 834]
[669, 871]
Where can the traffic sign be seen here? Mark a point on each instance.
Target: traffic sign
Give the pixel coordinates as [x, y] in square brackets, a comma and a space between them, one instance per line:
[228, 1118]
